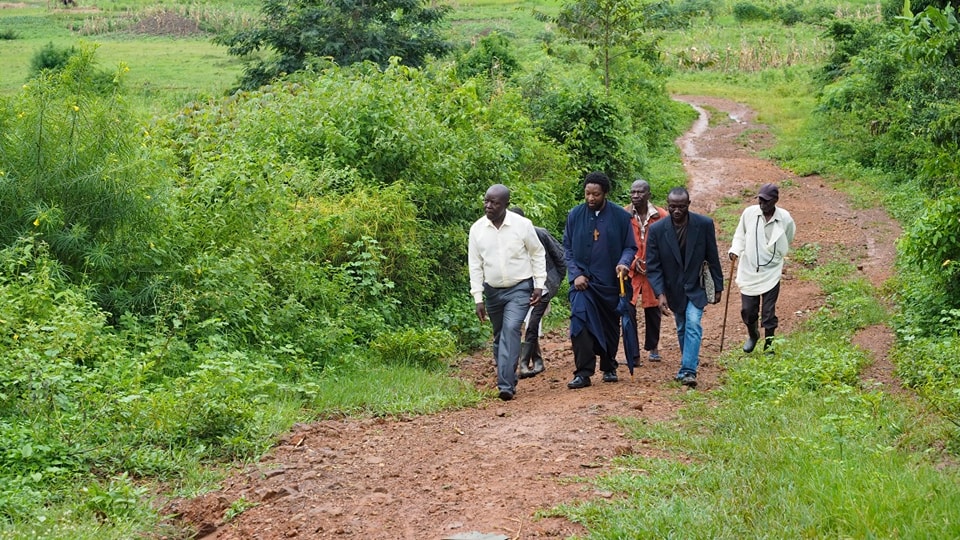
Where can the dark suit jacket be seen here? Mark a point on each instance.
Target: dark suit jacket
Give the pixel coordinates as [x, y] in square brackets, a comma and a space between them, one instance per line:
[556, 265]
[678, 277]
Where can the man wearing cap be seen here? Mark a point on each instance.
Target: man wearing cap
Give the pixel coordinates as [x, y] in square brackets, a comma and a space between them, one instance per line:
[761, 242]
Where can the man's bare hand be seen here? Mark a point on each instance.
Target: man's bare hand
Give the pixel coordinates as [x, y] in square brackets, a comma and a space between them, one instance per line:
[481, 312]
[664, 306]
[581, 283]
[535, 296]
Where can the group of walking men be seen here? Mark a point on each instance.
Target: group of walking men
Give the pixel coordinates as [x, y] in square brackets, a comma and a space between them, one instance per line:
[516, 269]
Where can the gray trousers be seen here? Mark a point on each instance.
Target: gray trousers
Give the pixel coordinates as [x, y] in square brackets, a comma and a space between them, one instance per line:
[506, 308]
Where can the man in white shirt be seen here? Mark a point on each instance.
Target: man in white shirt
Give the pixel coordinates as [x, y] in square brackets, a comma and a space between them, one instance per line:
[507, 275]
[761, 241]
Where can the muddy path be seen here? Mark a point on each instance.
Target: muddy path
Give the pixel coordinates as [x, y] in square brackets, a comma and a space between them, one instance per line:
[491, 468]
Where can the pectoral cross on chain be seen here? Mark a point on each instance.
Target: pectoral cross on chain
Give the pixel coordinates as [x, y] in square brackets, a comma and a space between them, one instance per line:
[596, 235]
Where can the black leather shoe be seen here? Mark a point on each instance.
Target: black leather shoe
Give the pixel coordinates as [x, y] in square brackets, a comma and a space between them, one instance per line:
[689, 380]
[506, 395]
[610, 376]
[579, 382]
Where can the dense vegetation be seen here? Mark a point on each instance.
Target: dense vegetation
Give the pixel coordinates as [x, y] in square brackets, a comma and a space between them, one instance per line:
[177, 289]
[181, 288]
[891, 103]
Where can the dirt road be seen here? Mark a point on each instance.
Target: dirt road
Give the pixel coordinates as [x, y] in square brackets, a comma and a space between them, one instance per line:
[491, 468]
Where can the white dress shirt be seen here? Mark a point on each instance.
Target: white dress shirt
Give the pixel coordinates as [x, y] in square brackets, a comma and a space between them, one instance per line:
[506, 256]
[761, 246]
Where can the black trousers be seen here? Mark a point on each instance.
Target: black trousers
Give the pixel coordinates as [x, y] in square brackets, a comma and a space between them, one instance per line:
[651, 326]
[533, 325]
[763, 307]
[585, 352]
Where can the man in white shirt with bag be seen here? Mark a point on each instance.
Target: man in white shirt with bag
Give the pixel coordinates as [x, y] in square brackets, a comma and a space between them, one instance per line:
[761, 242]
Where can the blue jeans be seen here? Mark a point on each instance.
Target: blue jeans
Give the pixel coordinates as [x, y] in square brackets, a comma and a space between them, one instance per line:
[506, 309]
[689, 334]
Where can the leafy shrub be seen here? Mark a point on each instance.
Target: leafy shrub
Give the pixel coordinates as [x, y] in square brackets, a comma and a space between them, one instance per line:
[73, 173]
[850, 39]
[747, 12]
[9, 34]
[118, 498]
[590, 124]
[667, 14]
[50, 57]
[492, 56]
[931, 366]
[789, 15]
[891, 9]
[458, 316]
[348, 33]
[930, 262]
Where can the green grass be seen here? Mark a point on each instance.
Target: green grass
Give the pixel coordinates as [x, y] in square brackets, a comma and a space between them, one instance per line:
[391, 390]
[822, 464]
[164, 71]
[790, 447]
[71, 511]
[782, 98]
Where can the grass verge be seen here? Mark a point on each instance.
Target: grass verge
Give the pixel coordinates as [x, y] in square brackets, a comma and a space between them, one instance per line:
[790, 447]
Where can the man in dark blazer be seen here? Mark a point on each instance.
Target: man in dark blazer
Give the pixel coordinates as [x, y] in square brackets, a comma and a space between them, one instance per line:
[676, 251]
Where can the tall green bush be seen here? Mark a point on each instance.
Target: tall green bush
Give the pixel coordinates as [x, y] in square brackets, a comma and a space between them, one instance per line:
[345, 196]
[347, 32]
[75, 170]
[492, 56]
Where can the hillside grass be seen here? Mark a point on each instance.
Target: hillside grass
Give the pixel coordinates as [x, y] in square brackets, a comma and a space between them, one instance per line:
[165, 71]
[791, 446]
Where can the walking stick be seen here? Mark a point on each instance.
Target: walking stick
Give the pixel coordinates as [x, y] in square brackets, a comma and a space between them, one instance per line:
[726, 305]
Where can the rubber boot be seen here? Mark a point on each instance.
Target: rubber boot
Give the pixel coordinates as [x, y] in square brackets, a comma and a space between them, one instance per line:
[768, 340]
[537, 360]
[526, 350]
[754, 336]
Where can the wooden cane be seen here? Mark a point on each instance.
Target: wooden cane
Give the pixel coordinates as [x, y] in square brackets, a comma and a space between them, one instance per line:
[726, 305]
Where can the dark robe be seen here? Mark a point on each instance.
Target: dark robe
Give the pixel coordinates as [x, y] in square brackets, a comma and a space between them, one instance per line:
[593, 246]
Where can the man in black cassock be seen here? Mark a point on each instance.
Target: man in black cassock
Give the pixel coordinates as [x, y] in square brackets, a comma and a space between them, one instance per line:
[598, 246]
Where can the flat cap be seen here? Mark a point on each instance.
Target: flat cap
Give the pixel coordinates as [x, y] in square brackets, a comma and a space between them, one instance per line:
[769, 191]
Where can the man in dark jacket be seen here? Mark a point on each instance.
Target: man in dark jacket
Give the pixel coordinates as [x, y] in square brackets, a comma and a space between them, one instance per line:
[676, 251]
[531, 357]
[598, 245]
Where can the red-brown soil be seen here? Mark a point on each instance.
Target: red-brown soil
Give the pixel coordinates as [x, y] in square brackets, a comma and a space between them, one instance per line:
[491, 468]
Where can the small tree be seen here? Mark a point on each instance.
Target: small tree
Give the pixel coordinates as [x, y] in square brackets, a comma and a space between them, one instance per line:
[603, 25]
[345, 31]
